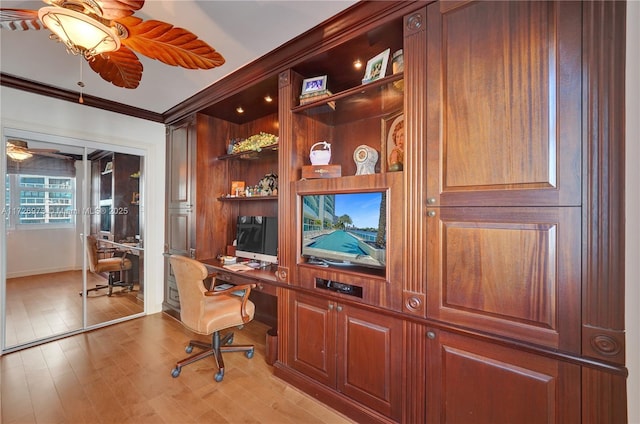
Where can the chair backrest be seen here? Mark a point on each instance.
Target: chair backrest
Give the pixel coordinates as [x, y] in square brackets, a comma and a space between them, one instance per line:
[189, 275]
[92, 252]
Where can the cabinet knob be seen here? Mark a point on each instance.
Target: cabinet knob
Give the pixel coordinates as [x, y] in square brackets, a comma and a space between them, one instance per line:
[331, 306]
[339, 308]
[431, 214]
[431, 200]
[431, 335]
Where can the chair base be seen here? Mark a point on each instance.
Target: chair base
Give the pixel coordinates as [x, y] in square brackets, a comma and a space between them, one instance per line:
[215, 349]
[111, 284]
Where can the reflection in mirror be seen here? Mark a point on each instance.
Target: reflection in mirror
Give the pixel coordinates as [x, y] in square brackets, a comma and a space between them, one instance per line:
[52, 202]
[114, 282]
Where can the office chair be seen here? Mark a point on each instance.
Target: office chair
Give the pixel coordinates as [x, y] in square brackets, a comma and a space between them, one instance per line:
[208, 312]
[114, 265]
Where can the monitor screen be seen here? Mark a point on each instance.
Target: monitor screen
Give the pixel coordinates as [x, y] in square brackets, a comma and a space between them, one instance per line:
[257, 238]
[344, 229]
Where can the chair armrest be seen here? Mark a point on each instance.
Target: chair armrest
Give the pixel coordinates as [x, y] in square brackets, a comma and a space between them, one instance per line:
[245, 297]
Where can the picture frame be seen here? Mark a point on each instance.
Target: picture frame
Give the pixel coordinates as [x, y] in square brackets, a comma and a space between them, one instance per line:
[237, 188]
[392, 126]
[376, 67]
[314, 85]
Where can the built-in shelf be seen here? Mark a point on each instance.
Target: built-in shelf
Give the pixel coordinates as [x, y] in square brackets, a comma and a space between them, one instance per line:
[252, 154]
[379, 97]
[245, 198]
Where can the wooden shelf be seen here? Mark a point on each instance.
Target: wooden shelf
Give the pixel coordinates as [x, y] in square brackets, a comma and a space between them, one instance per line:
[380, 97]
[251, 154]
[246, 199]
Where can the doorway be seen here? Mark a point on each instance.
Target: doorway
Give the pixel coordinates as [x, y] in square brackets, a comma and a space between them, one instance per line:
[52, 201]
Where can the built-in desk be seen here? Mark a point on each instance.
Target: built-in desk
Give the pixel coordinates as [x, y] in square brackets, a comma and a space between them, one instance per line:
[264, 295]
[136, 253]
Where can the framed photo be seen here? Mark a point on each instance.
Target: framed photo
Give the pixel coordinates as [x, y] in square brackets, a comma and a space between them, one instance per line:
[314, 85]
[237, 188]
[392, 151]
[376, 67]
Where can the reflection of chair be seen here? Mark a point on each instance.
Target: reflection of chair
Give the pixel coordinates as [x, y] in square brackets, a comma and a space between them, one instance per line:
[111, 264]
[208, 312]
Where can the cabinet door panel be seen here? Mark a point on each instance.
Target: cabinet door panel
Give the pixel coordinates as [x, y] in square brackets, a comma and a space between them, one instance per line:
[313, 339]
[477, 382]
[512, 271]
[369, 347]
[180, 229]
[181, 144]
[504, 109]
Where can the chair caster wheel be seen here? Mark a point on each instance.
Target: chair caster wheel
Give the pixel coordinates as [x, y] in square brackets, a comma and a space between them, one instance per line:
[249, 354]
[219, 376]
[175, 372]
[188, 349]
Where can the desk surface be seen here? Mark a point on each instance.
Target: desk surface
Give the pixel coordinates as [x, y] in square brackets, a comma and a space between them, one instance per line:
[264, 275]
[133, 247]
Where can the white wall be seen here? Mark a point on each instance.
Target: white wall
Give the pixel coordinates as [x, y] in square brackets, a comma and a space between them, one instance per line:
[24, 111]
[632, 193]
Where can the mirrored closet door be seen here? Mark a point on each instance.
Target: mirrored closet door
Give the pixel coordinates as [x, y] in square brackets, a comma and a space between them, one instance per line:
[69, 210]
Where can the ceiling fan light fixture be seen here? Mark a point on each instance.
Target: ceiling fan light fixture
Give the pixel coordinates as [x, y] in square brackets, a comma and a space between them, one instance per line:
[17, 150]
[81, 33]
[18, 155]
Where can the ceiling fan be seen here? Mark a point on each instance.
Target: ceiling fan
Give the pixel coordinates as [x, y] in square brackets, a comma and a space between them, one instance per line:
[18, 150]
[106, 34]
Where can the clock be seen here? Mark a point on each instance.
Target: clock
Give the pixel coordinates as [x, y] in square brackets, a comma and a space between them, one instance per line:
[365, 158]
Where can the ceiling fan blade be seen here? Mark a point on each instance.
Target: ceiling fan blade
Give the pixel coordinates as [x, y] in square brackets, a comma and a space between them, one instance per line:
[19, 19]
[171, 45]
[52, 155]
[44, 150]
[117, 9]
[122, 68]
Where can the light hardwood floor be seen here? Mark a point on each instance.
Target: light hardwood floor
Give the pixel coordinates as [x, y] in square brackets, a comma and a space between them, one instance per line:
[122, 374]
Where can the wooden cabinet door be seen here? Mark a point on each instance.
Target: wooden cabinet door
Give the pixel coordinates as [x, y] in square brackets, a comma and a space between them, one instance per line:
[471, 381]
[369, 348]
[180, 225]
[514, 272]
[181, 156]
[504, 103]
[312, 338]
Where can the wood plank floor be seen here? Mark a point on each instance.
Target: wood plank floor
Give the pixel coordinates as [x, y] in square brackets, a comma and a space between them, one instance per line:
[122, 374]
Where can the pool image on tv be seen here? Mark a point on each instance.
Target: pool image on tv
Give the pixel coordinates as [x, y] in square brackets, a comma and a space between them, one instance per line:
[345, 229]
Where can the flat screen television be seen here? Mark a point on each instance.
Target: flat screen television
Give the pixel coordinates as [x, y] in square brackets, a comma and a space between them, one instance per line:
[345, 229]
[257, 238]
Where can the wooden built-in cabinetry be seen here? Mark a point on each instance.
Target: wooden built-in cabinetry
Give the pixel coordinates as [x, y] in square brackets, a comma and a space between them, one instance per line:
[115, 207]
[502, 297]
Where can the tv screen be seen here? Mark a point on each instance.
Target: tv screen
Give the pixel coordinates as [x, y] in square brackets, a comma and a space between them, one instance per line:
[344, 229]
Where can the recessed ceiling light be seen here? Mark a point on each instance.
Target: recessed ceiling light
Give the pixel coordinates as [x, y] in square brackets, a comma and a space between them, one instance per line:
[268, 98]
[239, 109]
[357, 64]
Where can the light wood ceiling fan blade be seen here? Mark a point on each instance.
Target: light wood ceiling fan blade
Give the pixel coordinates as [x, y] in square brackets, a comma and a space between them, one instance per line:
[117, 9]
[51, 155]
[122, 68]
[20, 19]
[168, 44]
